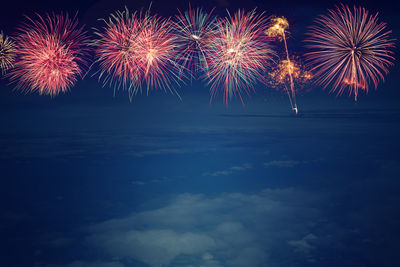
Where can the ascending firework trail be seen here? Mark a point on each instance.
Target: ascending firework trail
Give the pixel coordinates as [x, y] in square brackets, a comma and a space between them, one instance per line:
[278, 28]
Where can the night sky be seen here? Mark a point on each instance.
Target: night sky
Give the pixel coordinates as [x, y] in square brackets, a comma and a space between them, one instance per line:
[89, 179]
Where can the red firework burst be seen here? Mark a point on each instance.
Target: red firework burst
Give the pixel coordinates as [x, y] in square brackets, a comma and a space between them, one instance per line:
[349, 50]
[157, 50]
[238, 54]
[50, 52]
[135, 50]
[116, 49]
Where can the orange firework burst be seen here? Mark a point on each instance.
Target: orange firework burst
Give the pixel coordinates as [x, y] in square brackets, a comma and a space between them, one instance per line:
[278, 27]
[350, 49]
[281, 75]
[7, 53]
[135, 50]
[49, 53]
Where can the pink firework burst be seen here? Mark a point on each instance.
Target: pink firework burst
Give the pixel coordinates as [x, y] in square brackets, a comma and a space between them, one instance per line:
[49, 52]
[156, 49]
[116, 50]
[349, 50]
[136, 50]
[238, 54]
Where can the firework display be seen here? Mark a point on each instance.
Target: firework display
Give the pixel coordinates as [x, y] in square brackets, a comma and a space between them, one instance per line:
[136, 50]
[278, 29]
[349, 50]
[7, 53]
[194, 29]
[238, 55]
[50, 52]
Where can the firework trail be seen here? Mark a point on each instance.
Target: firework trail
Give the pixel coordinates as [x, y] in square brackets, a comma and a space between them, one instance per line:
[350, 49]
[278, 29]
[238, 54]
[286, 72]
[7, 53]
[135, 50]
[193, 30]
[49, 53]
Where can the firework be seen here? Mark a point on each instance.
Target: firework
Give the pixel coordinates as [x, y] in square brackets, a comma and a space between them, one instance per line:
[349, 50]
[135, 50]
[157, 49]
[238, 54]
[116, 50]
[278, 28]
[287, 72]
[7, 53]
[193, 30]
[49, 53]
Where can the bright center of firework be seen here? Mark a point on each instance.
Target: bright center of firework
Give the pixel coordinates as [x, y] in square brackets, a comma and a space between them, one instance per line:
[233, 55]
[278, 28]
[290, 67]
[196, 37]
[151, 55]
[55, 72]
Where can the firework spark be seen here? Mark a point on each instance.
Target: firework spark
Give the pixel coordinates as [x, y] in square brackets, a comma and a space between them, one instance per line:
[135, 49]
[350, 49]
[286, 72]
[7, 53]
[193, 30]
[278, 29]
[238, 54]
[49, 53]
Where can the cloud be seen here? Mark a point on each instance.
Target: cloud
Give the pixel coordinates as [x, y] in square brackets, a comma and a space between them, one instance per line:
[161, 152]
[138, 182]
[154, 247]
[305, 244]
[234, 229]
[88, 264]
[230, 170]
[282, 163]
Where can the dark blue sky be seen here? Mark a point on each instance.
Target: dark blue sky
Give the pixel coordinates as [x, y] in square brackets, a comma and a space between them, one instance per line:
[88, 179]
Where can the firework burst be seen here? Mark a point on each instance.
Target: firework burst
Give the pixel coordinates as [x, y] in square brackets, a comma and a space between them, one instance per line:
[349, 50]
[135, 50]
[157, 51]
[116, 50]
[193, 30]
[278, 28]
[287, 72]
[49, 53]
[238, 54]
[7, 53]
